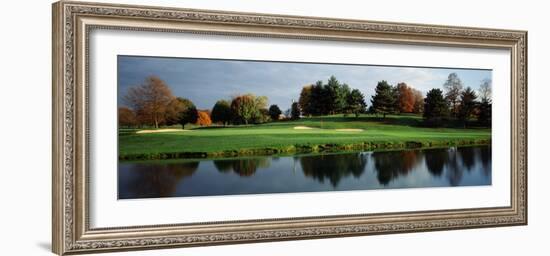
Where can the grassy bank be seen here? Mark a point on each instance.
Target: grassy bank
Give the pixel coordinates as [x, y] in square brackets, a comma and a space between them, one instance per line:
[327, 134]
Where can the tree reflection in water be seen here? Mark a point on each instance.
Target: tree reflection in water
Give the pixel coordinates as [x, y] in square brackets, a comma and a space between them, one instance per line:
[333, 167]
[485, 156]
[467, 154]
[159, 180]
[454, 170]
[452, 161]
[242, 167]
[392, 164]
[343, 171]
[435, 160]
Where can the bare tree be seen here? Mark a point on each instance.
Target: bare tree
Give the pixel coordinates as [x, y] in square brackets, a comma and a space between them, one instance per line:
[150, 100]
[485, 91]
[418, 101]
[453, 88]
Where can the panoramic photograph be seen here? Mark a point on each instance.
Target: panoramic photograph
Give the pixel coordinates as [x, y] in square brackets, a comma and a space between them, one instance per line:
[216, 127]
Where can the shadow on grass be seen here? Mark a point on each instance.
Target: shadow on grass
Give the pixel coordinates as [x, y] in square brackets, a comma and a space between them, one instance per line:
[411, 120]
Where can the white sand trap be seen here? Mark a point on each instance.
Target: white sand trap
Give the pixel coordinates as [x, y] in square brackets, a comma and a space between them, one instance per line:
[163, 130]
[302, 128]
[349, 130]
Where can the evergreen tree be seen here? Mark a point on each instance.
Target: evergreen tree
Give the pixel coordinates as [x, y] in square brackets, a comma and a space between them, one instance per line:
[306, 101]
[317, 104]
[341, 103]
[485, 108]
[383, 101]
[295, 111]
[468, 104]
[436, 108]
[333, 100]
[356, 103]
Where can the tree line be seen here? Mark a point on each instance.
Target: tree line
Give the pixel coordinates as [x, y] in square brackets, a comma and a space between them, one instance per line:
[153, 103]
[330, 98]
[438, 107]
[458, 103]
[397, 99]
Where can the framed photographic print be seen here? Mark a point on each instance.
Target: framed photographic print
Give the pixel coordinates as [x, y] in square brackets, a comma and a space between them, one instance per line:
[179, 127]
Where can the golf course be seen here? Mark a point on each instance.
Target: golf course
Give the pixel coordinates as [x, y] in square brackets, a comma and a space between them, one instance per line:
[207, 127]
[306, 135]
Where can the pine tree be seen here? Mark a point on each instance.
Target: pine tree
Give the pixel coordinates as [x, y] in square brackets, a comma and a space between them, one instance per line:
[436, 108]
[295, 111]
[485, 108]
[306, 101]
[356, 103]
[383, 101]
[468, 104]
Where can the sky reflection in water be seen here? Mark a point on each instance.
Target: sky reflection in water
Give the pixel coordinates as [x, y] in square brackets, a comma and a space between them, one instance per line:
[462, 166]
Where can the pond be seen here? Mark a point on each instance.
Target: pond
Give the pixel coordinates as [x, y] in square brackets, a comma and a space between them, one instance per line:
[442, 167]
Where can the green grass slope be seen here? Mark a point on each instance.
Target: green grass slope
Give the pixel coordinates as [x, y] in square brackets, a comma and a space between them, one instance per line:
[283, 137]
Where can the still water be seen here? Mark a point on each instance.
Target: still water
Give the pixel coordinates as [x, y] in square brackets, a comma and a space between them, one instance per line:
[457, 166]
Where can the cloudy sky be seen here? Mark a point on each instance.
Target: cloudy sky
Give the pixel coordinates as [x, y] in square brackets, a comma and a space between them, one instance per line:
[205, 81]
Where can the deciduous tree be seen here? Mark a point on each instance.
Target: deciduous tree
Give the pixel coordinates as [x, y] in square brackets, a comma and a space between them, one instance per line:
[188, 116]
[126, 117]
[453, 87]
[485, 106]
[221, 112]
[174, 109]
[274, 112]
[485, 91]
[405, 98]
[203, 119]
[243, 108]
[150, 100]
[260, 114]
[418, 101]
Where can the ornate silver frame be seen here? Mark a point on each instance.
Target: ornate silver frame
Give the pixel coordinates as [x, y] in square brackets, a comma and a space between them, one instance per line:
[72, 22]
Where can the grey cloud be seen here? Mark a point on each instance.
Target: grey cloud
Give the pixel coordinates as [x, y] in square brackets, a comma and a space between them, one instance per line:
[206, 81]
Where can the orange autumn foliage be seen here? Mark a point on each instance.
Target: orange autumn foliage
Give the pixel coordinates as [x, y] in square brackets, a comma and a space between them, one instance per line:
[405, 98]
[204, 119]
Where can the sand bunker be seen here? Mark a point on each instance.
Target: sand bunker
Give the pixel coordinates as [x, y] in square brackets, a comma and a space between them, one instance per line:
[163, 130]
[349, 130]
[302, 128]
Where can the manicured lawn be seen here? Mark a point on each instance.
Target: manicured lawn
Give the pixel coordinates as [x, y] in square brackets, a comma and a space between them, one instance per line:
[394, 131]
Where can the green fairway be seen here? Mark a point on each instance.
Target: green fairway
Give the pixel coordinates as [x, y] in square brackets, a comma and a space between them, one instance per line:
[304, 135]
